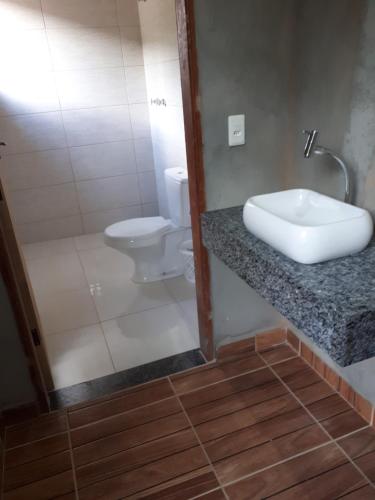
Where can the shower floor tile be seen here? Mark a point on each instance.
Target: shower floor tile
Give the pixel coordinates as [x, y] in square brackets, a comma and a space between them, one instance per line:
[90, 309]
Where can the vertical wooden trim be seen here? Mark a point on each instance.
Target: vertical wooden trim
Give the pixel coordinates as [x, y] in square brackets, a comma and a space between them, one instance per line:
[194, 153]
[13, 273]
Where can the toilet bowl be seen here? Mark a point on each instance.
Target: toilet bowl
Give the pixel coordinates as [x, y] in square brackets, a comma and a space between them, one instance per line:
[153, 242]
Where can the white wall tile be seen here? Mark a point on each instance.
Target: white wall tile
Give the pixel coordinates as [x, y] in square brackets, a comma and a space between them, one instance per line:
[150, 210]
[37, 204]
[28, 170]
[103, 160]
[50, 229]
[89, 48]
[27, 92]
[65, 84]
[144, 155]
[164, 81]
[22, 14]
[34, 132]
[171, 78]
[98, 221]
[97, 125]
[147, 186]
[127, 11]
[158, 23]
[91, 88]
[79, 13]
[131, 41]
[25, 50]
[105, 194]
[136, 84]
[140, 120]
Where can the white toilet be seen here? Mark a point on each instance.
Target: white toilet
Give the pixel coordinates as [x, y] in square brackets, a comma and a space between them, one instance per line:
[153, 242]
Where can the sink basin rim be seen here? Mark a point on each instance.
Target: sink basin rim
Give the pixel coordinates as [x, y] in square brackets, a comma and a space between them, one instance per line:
[308, 243]
[358, 211]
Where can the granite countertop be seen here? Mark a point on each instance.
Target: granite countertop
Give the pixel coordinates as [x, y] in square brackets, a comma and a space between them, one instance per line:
[333, 302]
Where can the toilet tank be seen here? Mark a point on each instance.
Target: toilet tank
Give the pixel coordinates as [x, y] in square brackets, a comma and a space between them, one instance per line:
[177, 186]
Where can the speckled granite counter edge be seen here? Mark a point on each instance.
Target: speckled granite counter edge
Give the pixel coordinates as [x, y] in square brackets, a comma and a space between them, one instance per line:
[345, 340]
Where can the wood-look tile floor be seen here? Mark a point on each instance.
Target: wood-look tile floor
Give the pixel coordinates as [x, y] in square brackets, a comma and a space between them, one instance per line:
[259, 425]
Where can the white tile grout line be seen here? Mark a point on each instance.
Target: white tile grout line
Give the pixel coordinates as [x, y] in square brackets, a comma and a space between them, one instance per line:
[335, 441]
[72, 456]
[213, 490]
[99, 323]
[197, 437]
[280, 462]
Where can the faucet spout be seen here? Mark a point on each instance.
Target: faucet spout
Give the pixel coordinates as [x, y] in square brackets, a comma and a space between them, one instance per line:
[310, 148]
[320, 150]
[312, 136]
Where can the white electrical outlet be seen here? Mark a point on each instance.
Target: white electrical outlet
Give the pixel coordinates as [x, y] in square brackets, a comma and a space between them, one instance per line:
[236, 130]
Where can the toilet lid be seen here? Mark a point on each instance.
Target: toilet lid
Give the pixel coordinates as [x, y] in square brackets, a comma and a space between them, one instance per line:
[142, 228]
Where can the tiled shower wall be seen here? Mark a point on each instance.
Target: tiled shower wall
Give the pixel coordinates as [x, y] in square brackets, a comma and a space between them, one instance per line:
[74, 115]
[162, 68]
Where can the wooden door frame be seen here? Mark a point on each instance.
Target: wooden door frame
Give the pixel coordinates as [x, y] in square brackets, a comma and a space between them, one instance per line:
[194, 152]
[27, 321]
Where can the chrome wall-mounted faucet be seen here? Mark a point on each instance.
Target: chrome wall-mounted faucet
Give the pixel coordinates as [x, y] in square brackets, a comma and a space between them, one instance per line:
[311, 148]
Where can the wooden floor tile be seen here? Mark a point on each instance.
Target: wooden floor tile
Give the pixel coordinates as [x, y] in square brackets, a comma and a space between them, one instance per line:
[145, 477]
[183, 487]
[365, 493]
[127, 400]
[328, 407]
[54, 486]
[257, 434]
[277, 354]
[269, 453]
[215, 372]
[314, 392]
[34, 429]
[115, 443]
[332, 484]
[296, 373]
[367, 464]
[290, 367]
[227, 387]
[124, 421]
[135, 457]
[359, 443]
[36, 470]
[246, 417]
[344, 423]
[139, 443]
[214, 495]
[288, 474]
[235, 402]
[35, 450]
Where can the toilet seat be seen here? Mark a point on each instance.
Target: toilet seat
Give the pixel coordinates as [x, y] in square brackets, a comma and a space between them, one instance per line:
[136, 233]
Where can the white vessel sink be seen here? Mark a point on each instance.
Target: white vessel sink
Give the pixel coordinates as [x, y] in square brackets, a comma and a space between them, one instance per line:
[307, 226]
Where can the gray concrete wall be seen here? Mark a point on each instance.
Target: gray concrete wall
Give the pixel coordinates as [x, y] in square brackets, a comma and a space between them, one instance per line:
[15, 385]
[287, 66]
[244, 60]
[334, 91]
[325, 57]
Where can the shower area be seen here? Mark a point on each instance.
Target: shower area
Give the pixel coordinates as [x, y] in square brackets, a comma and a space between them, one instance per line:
[91, 114]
